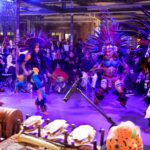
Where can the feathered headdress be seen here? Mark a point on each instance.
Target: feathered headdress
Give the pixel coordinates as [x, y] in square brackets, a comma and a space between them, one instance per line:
[109, 33]
[141, 26]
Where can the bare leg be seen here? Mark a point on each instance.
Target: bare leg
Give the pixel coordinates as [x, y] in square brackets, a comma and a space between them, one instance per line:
[41, 100]
[119, 88]
[84, 80]
[99, 95]
[94, 80]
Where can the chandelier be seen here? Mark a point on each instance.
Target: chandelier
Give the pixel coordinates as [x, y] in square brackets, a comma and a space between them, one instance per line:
[7, 16]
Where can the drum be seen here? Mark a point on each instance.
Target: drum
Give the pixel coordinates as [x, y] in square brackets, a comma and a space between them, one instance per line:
[9, 121]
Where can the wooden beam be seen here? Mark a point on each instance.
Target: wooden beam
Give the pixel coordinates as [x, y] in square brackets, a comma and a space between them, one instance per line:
[38, 4]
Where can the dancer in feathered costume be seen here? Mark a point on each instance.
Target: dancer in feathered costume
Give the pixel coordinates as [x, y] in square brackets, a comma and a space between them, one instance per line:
[143, 33]
[108, 40]
[147, 75]
[142, 25]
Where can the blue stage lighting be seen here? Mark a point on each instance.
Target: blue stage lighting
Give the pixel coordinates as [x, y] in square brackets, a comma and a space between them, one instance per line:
[7, 15]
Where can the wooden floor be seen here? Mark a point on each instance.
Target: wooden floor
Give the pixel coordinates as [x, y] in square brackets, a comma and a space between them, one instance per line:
[78, 111]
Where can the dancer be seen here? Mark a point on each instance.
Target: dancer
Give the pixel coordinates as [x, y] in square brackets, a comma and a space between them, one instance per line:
[147, 85]
[35, 65]
[147, 74]
[111, 76]
[108, 41]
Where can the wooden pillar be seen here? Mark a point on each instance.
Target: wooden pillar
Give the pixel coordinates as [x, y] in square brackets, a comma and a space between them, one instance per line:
[28, 26]
[17, 21]
[17, 32]
[71, 31]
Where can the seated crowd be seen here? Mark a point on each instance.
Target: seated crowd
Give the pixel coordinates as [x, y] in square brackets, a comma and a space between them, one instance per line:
[65, 65]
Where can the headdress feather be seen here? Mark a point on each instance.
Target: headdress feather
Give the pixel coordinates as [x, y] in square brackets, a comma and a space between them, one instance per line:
[109, 32]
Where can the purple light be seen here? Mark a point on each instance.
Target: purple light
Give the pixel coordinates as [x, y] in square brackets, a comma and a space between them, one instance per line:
[7, 15]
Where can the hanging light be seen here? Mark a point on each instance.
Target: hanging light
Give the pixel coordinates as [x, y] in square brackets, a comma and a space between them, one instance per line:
[8, 0]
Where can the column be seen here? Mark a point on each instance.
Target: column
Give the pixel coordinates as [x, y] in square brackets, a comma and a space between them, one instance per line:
[17, 31]
[28, 26]
[71, 31]
[17, 20]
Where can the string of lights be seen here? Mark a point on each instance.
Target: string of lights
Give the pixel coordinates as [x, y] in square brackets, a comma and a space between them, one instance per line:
[7, 16]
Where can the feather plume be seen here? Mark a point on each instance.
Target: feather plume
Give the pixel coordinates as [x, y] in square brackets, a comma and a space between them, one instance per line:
[108, 33]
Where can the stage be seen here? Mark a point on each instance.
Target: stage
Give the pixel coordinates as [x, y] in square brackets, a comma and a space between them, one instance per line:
[78, 111]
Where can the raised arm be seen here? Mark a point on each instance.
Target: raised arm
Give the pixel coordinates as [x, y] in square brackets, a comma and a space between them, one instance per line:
[27, 58]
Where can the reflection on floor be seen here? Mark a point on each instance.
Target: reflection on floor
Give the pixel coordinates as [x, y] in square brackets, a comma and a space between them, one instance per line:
[78, 111]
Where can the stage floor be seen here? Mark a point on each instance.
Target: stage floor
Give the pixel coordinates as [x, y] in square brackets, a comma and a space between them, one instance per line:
[78, 111]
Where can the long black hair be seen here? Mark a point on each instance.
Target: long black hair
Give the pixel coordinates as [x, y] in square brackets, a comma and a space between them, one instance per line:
[38, 59]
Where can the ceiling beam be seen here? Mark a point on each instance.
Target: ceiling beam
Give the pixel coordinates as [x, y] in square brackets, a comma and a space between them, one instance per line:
[38, 4]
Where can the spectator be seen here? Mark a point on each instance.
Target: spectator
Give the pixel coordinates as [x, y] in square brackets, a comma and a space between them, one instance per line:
[87, 64]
